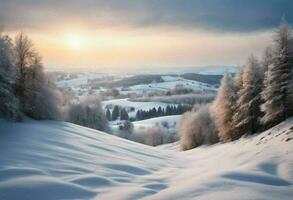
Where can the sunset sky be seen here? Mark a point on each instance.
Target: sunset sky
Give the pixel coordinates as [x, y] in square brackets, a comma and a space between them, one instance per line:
[115, 34]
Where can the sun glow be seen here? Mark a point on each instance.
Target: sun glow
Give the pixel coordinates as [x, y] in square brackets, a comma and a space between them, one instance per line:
[75, 41]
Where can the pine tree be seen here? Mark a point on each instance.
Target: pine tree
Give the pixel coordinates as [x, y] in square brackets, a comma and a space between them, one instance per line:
[115, 113]
[247, 110]
[123, 114]
[108, 115]
[278, 85]
[223, 108]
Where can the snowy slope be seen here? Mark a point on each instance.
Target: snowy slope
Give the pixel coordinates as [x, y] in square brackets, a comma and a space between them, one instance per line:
[55, 160]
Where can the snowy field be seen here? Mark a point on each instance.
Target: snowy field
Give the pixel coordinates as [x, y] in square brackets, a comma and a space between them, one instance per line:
[81, 86]
[171, 82]
[54, 160]
[170, 121]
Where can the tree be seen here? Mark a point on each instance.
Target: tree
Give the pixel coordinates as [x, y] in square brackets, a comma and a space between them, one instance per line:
[24, 54]
[138, 115]
[40, 96]
[115, 113]
[223, 108]
[88, 113]
[9, 108]
[108, 115]
[247, 109]
[278, 85]
[123, 114]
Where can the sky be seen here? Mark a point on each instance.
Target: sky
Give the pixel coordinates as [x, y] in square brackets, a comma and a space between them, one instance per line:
[145, 34]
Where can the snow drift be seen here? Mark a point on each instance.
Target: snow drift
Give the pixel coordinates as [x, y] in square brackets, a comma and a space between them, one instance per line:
[55, 160]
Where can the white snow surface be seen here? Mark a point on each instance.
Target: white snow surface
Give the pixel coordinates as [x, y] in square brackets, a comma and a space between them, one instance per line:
[171, 82]
[56, 160]
[172, 120]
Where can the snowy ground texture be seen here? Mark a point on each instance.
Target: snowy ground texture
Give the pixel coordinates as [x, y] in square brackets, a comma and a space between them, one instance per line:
[53, 160]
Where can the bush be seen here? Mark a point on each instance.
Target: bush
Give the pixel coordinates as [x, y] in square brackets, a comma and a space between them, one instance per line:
[152, 136]
[197, 128]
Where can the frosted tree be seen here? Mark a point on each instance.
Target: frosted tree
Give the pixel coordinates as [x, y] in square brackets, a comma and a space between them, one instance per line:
[41, 98]
[37, 94]
[8, 102]
[108, 115]
[247, 108]
[24, 53]
[267, 59]
[124, 114]
[88, 113]
[223, 108]
[278, 88]
[115, 113]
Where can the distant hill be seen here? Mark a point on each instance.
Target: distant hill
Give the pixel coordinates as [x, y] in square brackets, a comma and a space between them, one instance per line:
[204, 78]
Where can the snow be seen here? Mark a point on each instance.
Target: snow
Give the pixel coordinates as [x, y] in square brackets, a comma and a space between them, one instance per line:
[170, 83]
[171, 120]
[82, 79]
[56, 160]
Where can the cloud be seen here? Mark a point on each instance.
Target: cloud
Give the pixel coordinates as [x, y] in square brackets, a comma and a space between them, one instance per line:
[218, 15]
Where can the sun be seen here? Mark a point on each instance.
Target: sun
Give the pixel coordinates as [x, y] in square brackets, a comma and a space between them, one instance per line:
[75, 41]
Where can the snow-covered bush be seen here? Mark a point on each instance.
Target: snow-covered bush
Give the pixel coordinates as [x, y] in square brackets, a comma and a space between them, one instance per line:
[197, 128]
[152, 136]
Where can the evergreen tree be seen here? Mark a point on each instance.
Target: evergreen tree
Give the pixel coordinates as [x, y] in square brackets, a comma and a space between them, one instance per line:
[123, 114]
[108, 115]
[115, 113]
[278, 85]
[247, 110]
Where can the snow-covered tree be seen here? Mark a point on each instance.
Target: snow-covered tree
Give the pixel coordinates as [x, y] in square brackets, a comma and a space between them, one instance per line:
[115, 113]
[37, 94]
[123, 114]
[108, 115]
[8, 102]
[278, 85]
[223, 108]
[88, 113]
[24, 54]
[40, 100]
[247, 107]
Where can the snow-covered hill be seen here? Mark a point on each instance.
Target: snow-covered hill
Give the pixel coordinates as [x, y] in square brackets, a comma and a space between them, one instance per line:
[55, 160]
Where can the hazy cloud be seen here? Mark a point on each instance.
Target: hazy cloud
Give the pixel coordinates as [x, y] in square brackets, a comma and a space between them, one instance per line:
[220, 15]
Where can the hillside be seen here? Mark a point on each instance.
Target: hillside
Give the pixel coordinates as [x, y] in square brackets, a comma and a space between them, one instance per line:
[56, 160]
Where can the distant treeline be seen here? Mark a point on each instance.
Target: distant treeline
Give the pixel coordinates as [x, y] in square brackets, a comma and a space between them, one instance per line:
[170, 110]
[121, 113]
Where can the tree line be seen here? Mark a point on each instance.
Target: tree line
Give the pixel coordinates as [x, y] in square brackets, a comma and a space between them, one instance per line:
[258, 97]
[170, 110]
[119, 113]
